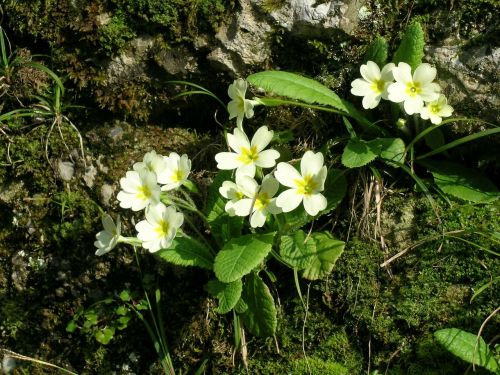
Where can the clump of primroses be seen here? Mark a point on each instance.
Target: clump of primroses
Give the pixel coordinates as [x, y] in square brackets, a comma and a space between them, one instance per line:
[152, 184]
[145, 188]
[416, 91]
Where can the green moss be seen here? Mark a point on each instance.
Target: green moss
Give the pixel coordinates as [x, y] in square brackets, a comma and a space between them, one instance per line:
[114, 35]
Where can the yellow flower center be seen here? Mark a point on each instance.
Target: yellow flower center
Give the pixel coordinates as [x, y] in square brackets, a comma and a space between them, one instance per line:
[378, 86]
[144, 192]
[162, 228]
[177, 176]
[413, 89]
[306, 186]
[239, 195]
[435, 108]
[262, 201]
[248, 156]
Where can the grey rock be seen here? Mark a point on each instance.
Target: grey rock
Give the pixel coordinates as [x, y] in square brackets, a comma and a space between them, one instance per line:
[66, 170]
[469, 77]
[130, 63]
[176, 61]
[243, 43]
[116, 133]
[305, 18]
[89, 176]
[106, 194]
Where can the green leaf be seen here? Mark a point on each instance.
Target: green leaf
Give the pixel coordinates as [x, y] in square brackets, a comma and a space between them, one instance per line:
[335, 190]
[304, 89]
[461, 182]
[435, 139]
[241, 255]
[296, 86]
[389, 149]
[463, 345]
[125, 296]
[71, 326]
[122, 310]
[326, 251]
[411, 49]
[228, 294]
[186, 251]
[222, 226]
[357, 153]
[123, 322]
[105, 335]
[377, 51]
[91, 319]
[241, 306]
[260, 318]
[296, 251]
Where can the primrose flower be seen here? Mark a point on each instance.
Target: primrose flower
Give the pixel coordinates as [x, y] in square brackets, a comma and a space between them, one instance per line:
[152, 162]
[436, 110]
[176, 172]
[139, 189]
[306, 186]
[160, 227]
[374, 84]
[259, 201]
[413, 90]
[247, 155]
[239, 106]
[108, 238]
[233, 192]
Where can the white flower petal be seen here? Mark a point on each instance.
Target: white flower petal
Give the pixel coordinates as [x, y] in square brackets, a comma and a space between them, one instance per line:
[396, 92]
[246, 170]
[249, 186]
[360, 87]
[402, 73]
[238, 140]
[371, 100]
[413, 105]
[243, 207]
[311, 163]
[228, 190]
[267, 158]
[370, 71]
[386, 73]
[287, 175]
[227, 160]
[108, 224]
[314, 203]
[424, 74]
[257, 219]
[261, 138]
[269, 185]
[289, 200]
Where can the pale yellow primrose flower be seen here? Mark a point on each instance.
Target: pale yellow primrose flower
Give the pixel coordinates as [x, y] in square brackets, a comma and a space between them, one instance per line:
[259, 201]
[153, 162]
[413, 90]
[176, 171]
[108, 238]
[306, 186]
[233, 192]
[160, 227]
[139, 189]
[374, 84]
[248, 155]
[239, 106]
[436, 110]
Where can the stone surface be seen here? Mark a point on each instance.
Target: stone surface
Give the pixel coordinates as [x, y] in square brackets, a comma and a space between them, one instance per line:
[130, 63]
[305, 18]
[469, 77]
[177, 61]
[243, 42]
